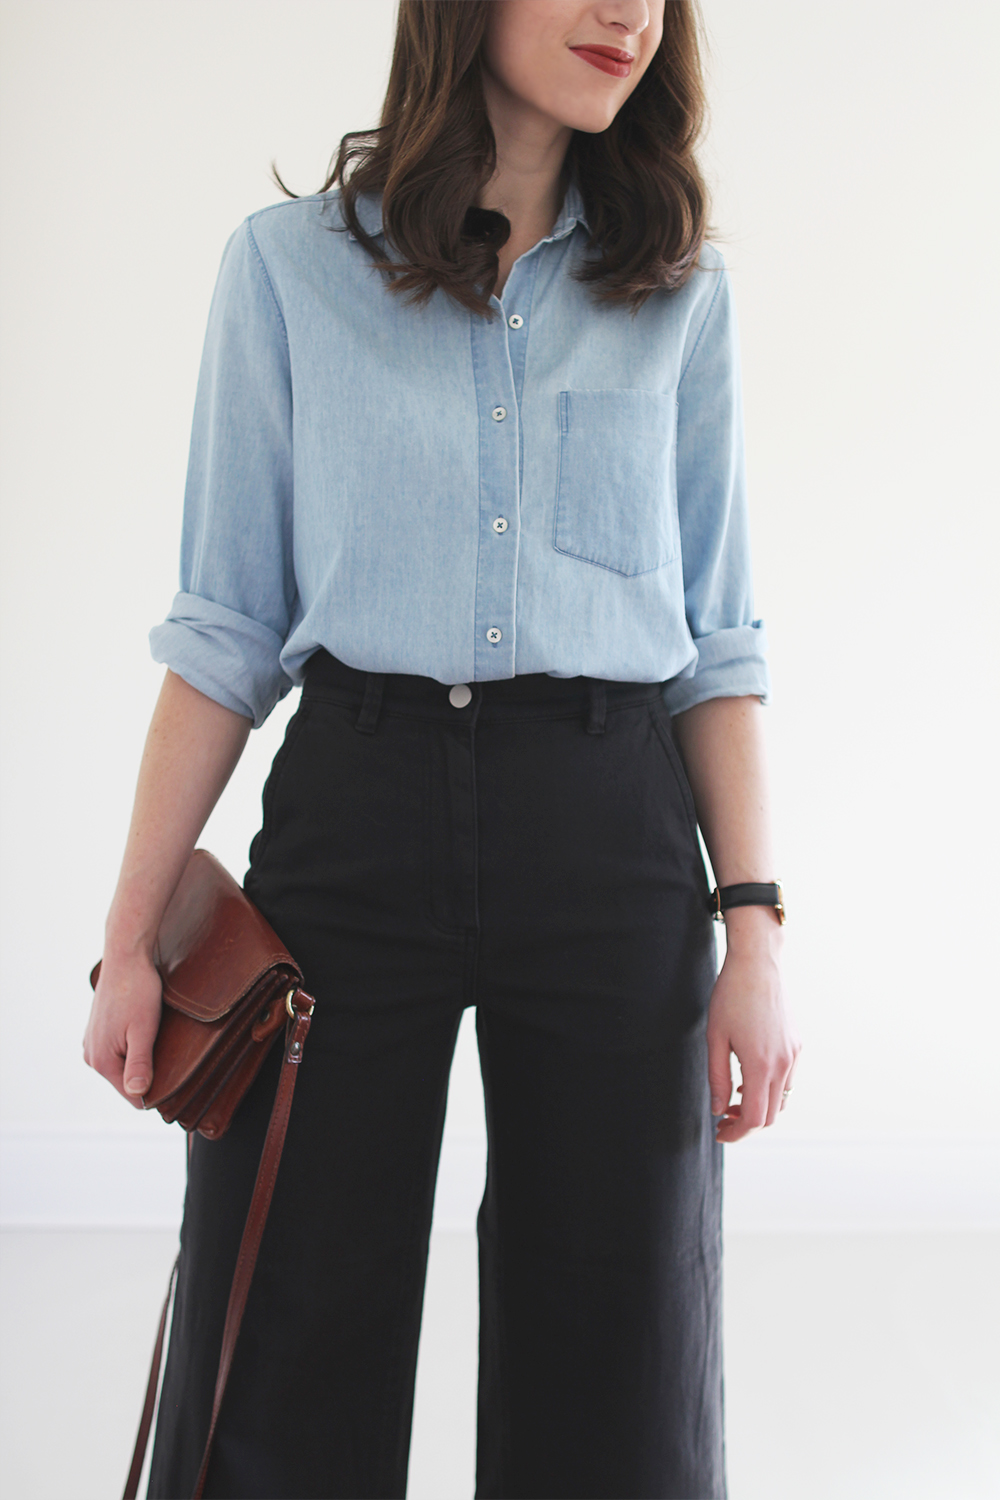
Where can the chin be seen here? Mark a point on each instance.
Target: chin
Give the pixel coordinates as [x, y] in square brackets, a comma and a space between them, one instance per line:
[589, 115]
[594, 121]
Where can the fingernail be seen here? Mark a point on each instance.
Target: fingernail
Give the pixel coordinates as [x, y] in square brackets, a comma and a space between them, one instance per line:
[137, 1086]
[717, 1106]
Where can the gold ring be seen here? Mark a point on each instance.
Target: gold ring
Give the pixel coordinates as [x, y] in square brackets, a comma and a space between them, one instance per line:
[291, 1008]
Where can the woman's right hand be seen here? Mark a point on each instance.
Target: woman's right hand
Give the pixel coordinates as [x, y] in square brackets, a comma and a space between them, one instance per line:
[191, 749]
[124, 1020]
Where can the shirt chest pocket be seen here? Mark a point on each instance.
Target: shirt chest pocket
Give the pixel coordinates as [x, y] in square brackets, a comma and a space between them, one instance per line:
[616, 493]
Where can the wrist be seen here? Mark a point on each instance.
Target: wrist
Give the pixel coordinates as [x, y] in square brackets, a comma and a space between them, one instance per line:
[127, 939]
[753, 929]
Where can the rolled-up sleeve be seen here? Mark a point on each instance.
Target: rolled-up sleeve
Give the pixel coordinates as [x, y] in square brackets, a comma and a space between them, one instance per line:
[227, 626]
[712, 508]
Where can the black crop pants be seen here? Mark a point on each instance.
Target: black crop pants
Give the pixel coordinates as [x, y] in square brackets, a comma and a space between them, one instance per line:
[533, 854]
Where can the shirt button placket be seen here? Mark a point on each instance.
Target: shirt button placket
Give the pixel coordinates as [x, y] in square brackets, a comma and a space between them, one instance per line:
[495, 604]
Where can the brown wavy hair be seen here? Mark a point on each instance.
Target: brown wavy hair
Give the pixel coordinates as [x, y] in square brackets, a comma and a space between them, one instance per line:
[434, 151]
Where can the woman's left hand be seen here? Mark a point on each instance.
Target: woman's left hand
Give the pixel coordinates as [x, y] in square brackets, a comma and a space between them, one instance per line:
[747, 1015]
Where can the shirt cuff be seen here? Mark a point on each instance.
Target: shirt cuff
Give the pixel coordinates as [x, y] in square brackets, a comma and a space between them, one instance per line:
[225, 655]
[730, 664]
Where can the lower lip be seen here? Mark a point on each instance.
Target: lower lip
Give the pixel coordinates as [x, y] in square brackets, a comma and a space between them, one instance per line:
[606, 64]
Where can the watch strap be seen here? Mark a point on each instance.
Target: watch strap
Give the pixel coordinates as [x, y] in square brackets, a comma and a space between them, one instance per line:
[752, 893]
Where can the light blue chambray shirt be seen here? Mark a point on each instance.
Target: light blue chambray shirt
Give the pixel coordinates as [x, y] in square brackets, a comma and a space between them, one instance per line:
[559, 489]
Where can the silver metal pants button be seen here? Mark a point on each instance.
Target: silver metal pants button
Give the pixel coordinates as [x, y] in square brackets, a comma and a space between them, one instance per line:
[460, 696]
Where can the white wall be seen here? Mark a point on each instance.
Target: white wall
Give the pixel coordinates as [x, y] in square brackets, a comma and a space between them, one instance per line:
[850, 150]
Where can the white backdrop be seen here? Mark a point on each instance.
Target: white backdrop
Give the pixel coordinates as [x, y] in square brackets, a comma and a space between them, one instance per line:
[850, 153]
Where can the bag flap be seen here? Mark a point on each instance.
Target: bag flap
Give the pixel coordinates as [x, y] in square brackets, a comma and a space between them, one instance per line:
[190, 1052]
[213, 944]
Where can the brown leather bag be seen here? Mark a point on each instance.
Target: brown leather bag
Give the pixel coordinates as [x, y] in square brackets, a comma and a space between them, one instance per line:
[229, 987]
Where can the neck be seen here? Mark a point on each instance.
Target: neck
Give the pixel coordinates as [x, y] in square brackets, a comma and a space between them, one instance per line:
[527, 185]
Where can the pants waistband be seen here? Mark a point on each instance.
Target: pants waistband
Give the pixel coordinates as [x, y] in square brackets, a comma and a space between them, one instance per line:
[530, 696]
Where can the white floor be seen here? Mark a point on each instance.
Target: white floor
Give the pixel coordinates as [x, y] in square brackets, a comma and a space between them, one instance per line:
[859, 1367]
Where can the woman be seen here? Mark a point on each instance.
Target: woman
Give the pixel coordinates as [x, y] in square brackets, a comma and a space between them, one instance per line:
[467, 464]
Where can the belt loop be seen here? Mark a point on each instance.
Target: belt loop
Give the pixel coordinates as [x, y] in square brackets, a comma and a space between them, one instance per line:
[371, 704]
[598, 707]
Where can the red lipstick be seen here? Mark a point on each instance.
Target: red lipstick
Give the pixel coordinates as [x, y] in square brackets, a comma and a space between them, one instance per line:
[613, 60]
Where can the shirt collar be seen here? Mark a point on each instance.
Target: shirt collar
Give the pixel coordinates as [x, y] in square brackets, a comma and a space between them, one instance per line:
[369, 211]
[571, 214]
[368, 207]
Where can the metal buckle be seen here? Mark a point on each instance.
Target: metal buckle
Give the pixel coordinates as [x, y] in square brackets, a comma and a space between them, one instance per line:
[291, 1008]
[718, 914]
[779, 905]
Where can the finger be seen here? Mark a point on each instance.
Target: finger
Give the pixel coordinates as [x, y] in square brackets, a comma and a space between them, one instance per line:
[786, 1087]
[727, 1129]
[756, 1097]
[731, 1129]
[89, 1040]
[109, 1063]
[720, 1075]
[138, 1070]
[730, 1126]
[775, 1100]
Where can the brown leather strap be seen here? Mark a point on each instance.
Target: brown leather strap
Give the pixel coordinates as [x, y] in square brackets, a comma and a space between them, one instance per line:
[146, 1420]
[300, 1007]
[270, 1159]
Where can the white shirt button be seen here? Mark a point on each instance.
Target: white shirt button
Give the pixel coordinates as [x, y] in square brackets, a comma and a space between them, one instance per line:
[515, 321]
[500, 524]
[498, 413]
[460, 696]
[494, 635]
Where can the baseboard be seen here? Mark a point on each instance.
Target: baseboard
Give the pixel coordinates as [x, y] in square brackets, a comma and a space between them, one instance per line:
[117, 1179]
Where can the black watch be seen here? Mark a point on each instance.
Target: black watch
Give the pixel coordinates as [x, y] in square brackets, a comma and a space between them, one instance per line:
[751, 894]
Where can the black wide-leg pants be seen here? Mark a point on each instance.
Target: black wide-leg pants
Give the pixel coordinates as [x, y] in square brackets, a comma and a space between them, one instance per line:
[534, 854]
